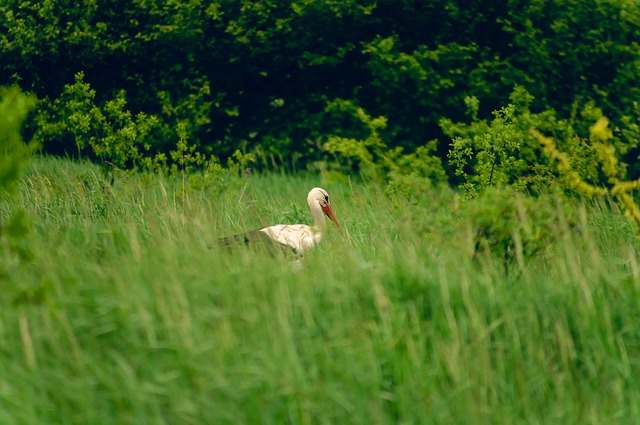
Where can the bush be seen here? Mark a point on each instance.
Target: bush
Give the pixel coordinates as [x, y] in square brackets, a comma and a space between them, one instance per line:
[613, 180]
[373, 160]
[504, 151]
[119, 140]
[109, 134]
[14, 154]
[514, 227]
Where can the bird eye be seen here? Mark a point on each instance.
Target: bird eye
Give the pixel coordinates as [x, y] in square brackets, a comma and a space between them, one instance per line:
[326, 198]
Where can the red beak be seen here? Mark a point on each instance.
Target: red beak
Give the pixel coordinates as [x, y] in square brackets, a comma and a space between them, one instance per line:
[332, 216]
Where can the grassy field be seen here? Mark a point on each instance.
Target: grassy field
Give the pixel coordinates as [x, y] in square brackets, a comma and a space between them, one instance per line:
[124, 316]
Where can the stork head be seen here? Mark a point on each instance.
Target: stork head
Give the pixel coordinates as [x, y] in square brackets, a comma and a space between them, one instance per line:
[318, 200]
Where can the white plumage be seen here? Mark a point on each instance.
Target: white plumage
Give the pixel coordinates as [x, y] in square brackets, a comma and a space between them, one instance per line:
[299, 238]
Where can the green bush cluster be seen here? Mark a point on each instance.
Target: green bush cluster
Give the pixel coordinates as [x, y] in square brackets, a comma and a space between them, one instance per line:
[514, 227]
[109, 134]
[613, 180]
[509, 170]
[503, 151]
[409, 174]
[119, 140]
[260, 74]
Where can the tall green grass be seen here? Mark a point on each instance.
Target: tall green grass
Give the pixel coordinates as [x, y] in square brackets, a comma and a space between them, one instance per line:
[125, 316]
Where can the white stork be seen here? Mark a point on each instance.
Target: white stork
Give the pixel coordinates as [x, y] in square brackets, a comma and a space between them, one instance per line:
[296, 238]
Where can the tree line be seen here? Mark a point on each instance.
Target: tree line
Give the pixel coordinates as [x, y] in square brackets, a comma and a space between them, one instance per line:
[136, 78]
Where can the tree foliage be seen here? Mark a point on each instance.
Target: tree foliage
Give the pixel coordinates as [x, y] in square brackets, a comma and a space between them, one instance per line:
[260, 74]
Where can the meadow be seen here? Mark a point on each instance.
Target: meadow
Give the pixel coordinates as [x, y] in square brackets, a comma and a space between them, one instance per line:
[124, 315]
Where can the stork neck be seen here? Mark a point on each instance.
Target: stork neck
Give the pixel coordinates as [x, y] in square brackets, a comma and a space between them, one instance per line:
[318, 215]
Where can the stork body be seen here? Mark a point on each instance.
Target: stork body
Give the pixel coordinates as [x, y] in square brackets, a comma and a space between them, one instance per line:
[296, 238]
[299, 237]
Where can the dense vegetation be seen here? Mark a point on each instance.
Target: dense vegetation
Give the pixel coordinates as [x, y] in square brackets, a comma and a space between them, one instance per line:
[482, 161]
[266, 76]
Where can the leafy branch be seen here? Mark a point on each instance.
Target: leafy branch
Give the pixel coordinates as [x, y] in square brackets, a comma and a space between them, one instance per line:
[621, 190]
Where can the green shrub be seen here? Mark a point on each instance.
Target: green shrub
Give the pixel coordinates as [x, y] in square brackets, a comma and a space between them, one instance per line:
[492, 156]
[121, 141]
[514, 227]
[111, 133]
[503, 151]
[370, 156]
[14, 154]
[613, 181]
